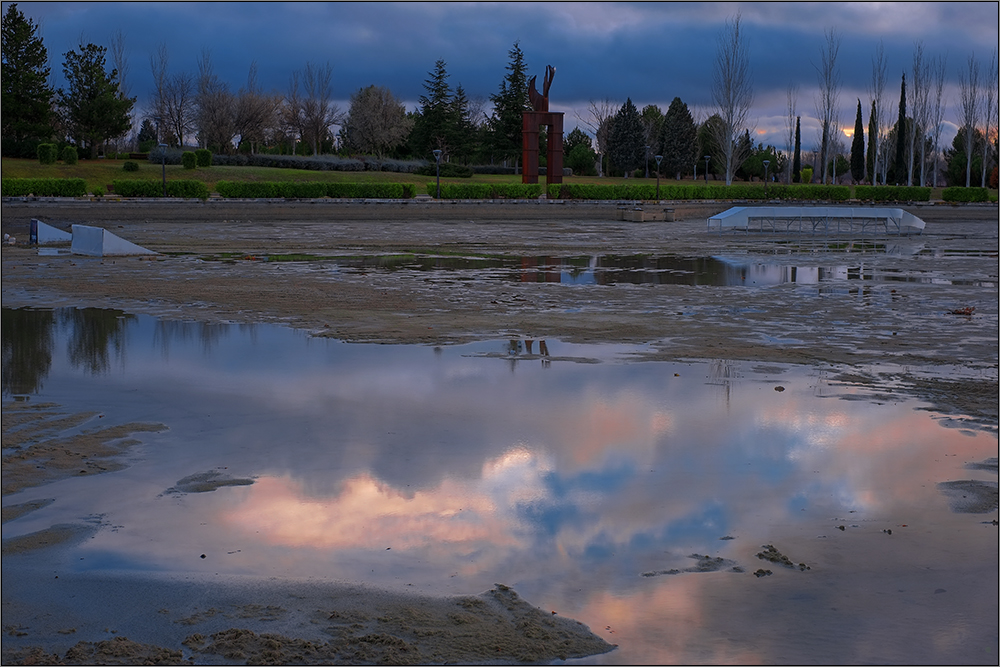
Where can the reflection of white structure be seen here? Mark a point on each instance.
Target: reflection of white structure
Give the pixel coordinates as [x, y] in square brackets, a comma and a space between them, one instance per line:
[825, 219]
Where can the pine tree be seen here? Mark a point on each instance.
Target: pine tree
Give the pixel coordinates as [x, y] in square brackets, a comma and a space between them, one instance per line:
[872, 130]
[858, 148]
[678, 142]
[94, 108]
[26, 95]
[900, 168]
[434, 128]
[797, 160]
[509, 104]
[627, 140]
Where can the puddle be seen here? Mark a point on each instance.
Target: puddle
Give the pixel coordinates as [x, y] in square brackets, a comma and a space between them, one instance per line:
[634, 496]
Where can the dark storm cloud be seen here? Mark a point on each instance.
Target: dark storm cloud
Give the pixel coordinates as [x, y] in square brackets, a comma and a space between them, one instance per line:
[650, 52]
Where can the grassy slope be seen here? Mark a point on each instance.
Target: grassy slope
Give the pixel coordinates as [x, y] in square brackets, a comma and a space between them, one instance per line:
[100, 173]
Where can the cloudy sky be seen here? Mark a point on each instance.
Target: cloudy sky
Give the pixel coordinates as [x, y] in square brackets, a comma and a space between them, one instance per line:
[649, 52]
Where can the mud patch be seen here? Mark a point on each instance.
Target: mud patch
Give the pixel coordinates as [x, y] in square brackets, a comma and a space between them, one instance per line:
[772, 555]
[969, 496]
[704, 564]
[117, 651]
[62, 533]
[38, 451]
[11, 512]
[205, 482]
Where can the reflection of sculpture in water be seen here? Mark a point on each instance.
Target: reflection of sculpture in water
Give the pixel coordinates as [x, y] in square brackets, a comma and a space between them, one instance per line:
[541, 102]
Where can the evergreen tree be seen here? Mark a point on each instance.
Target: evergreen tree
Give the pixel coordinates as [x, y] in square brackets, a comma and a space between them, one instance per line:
[872, 130]
[26, 95]
[858, 148]
[575, 138]
[93, 108]
[627, 140]
[899, 172]
[434, 128]
[797, 160]
[509, 104]
[147, 136]
[678, 141]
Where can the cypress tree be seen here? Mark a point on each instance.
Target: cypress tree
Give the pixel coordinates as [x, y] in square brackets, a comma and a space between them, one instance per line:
[627, 140]
[872, 130]
[899, 172]
[858, 148]
[678, 139]
[797, 161]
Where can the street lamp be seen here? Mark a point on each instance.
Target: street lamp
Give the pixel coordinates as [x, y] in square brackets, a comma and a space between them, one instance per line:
[766, 165]
[647, 161]
[437, 159]
[658, 158]
[163, 163]
[707, 158]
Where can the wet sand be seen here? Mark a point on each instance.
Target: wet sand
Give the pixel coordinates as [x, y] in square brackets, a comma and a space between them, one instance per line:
[930, 334]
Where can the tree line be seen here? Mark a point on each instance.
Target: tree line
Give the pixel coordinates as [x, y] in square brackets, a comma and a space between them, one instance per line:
[200, 109]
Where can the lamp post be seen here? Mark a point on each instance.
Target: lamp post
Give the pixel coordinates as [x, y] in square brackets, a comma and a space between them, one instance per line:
[658, 158]
[437, 159]
[163, 163]
[647, 161]
[707, 158]
[767, 163]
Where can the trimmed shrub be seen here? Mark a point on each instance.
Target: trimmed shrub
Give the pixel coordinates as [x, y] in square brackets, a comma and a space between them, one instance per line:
[960, 194]
[150, 188]
[486, 190]
[448, 170]
[187, 189]
[44, 187]
[69, 155]
[882, 193]
[130, 166]
[203, 157]
[46, 153]
[98, 191]
[189, 160]
[300, 190]
[806, 175]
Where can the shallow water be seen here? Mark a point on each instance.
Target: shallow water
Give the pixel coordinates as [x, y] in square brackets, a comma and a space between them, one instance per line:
[576, 474]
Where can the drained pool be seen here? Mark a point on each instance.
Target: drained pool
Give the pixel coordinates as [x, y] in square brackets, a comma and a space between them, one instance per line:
[701, 512]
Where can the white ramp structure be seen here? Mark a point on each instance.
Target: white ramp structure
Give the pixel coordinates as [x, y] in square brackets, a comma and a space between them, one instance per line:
[44, 234]
[818, 219]
[98, 242]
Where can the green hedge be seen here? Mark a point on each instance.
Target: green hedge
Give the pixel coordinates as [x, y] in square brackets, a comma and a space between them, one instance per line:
[646, 192]
[203, 157]
[314, 190]
[879, 193]
[487, 190]
[959, 194]
[144, 188]
[44, 187]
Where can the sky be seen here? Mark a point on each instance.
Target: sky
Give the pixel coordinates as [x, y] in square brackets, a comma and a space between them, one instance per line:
[649, 52]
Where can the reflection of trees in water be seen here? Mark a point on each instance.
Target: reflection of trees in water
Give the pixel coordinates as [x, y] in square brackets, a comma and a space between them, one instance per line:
[93, 333]
[210, 334]
[27, 339]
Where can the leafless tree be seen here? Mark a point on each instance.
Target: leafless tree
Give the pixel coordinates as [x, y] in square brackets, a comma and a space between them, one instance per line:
[316, 107]
[968, 84]
[790, 129]
[119, 62]
[477, 111]
[255, 112]
[937, 118]
[919, 91]
[732, 93]
[827, 103]
[989, 113]
[376, 122]
[876, 94]
[216, 107]
[598, 121]
[173, 98]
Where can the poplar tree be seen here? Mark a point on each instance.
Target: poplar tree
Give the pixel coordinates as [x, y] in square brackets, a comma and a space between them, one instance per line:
[797, 160]
[900, 171]
[509, 104]
[872, 130]
[26, 95]
[858, 148]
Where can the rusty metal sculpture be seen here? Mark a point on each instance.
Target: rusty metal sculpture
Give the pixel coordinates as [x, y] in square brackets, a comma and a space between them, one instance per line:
[531, 125]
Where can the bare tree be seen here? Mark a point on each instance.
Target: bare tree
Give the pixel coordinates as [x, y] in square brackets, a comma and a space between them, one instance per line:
[937, 117]
[989, 113]
[968, 84]
[216, 107]
[255, 112]
[376, 122]
[318, 111]
[876, 94]
[291, 115]
[732, 93]
[119, 61]
[829, 90]
[790, 130]
[919, 94]
[598, 121]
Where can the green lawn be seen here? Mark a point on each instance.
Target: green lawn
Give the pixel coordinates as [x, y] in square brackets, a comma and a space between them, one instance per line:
[100, 173]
